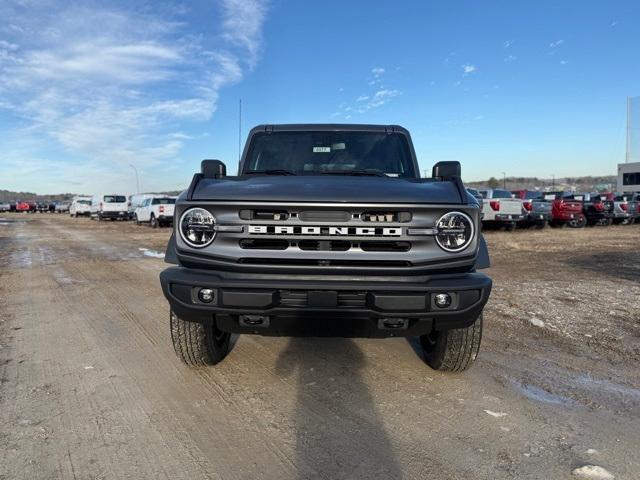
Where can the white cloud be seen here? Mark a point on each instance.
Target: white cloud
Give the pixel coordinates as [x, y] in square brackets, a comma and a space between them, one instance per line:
[510, 58]
[507, 43]
[112, 84]
[613, 24]
[362, 98]
[469, 69]
[563, 62]
[556, 44]
[376, 72]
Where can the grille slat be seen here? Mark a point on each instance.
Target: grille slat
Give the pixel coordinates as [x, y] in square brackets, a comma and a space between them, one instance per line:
[298, 298]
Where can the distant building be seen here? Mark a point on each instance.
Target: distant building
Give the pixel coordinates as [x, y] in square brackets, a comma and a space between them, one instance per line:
[629, 177]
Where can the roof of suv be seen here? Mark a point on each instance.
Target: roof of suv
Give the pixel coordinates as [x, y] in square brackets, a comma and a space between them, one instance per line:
[335, 127]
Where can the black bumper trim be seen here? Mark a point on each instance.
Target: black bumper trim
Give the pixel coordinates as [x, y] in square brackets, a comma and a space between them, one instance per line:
[237, 297]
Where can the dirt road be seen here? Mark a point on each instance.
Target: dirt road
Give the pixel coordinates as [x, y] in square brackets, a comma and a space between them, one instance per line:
[90, 387]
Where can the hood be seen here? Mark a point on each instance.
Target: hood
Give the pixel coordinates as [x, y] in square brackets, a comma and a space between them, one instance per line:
[327, 188]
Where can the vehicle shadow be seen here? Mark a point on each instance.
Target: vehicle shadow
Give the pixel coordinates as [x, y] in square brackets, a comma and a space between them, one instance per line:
[621, 265]
[339, 433]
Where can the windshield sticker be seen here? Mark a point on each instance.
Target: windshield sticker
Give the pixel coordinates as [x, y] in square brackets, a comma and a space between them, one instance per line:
[321, 149]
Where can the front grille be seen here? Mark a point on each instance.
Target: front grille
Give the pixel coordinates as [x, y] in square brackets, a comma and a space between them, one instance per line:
[324, 216]
[324, 245]
[325, 263]
[298, 299]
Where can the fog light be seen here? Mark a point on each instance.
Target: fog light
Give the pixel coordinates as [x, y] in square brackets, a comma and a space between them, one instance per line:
[442, 300]
[206, 295]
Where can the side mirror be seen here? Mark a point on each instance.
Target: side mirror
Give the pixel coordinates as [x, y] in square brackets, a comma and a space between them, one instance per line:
[446, 170]
[213, 169]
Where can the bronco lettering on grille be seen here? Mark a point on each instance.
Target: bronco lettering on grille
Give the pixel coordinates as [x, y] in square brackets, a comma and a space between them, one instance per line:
[331, 231]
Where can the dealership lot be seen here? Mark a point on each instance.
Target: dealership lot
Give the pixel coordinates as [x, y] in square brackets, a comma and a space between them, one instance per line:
[90, 386]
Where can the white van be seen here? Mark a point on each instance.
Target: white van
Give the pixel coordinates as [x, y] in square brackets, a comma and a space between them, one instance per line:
[112, 206]
[80, 206]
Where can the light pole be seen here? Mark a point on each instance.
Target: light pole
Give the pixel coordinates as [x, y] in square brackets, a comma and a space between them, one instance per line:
[553, 180]
[504, 180]
[137, 179]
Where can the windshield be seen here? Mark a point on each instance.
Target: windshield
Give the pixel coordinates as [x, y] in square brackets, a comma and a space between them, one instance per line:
[84, 202]
[314, 153]
[163, 201]
[114, 199]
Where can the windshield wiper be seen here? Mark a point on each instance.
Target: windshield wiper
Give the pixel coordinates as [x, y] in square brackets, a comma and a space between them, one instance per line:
[370, 171]
[275, 171]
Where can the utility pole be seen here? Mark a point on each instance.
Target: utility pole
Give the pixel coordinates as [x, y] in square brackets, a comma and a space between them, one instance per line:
[239, 129]
[137, 179]
[553, 177]
[628, 152]
[504, 180]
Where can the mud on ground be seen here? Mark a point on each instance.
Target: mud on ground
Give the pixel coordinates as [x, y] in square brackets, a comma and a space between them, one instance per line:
[90, 387]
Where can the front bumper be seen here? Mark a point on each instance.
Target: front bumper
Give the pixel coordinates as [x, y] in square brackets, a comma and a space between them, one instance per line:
[352, 308]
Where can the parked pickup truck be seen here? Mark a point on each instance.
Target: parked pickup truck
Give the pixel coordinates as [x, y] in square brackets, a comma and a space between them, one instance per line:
[501, 209]
[328, 230]
[596, 210]
[536, 208]
[565, 211]
[157, 211]
[25, 207]
[625, 207]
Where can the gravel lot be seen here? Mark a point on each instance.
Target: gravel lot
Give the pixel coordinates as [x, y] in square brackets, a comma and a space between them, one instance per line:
[90, 387]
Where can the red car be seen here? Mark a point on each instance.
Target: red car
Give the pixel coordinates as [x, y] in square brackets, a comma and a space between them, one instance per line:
[565, 211]
[25, 207]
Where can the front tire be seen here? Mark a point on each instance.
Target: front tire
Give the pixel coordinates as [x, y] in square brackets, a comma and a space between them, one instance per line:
[198, 344]
[153, 221]
[453, 350]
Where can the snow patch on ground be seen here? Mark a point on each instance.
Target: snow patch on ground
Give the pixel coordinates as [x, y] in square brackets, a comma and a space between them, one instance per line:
[536, 322]
[151, 253]
[495, 414]
[592, 471]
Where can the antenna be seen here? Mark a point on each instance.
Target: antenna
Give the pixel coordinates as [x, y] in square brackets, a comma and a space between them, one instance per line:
[628, 152]
[239, 129]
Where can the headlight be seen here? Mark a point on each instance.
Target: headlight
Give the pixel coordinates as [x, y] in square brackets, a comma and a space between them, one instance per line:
[454, 231]
[197, 227]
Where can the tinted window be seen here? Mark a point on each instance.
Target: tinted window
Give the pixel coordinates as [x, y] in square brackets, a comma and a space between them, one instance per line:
[501, 194]
[114, 199]
[313, 153]
[532, 195]
[632, 178]
[164, 201]
[84, 202]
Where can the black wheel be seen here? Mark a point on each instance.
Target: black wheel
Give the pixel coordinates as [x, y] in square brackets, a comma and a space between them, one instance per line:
[153, 221]
[453, 350]
[579, 222]
[99, 217]
[135, 217]
[605, 222]
[198, 344]
[540, 225]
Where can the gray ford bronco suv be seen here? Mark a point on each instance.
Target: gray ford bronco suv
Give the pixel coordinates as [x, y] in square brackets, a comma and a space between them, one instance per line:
[327, 230]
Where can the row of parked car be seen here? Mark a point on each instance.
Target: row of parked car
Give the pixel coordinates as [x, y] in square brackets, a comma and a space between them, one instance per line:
[532, 209]
[33, 207]
[153, 209]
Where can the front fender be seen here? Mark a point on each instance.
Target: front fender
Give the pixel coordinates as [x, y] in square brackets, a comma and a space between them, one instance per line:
[170, 256]
[483, 255]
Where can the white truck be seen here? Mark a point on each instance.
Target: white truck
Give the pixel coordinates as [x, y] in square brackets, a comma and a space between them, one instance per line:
[80, 206]
[500, 209]
[109, 206]
[156, 211]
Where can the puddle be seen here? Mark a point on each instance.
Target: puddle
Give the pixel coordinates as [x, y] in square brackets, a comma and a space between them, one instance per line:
[540, 395]
[151, 253]
[591, 383]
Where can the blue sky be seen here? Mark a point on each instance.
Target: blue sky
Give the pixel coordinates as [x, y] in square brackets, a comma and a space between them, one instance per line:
[528, 88]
